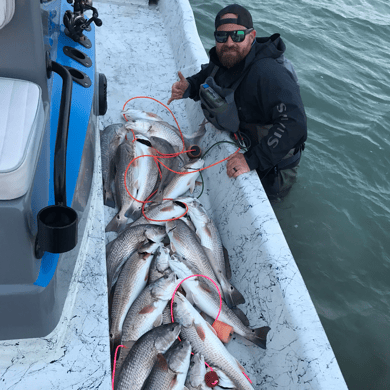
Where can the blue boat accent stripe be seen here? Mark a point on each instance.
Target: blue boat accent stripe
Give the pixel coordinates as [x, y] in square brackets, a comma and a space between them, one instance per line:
[81, 107]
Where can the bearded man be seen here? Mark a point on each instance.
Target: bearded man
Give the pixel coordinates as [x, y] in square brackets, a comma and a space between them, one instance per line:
[250, 88]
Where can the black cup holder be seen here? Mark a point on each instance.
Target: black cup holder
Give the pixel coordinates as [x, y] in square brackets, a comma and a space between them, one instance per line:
[57, 229]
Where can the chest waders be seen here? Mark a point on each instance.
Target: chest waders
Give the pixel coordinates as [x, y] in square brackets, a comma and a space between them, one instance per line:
[219, 108]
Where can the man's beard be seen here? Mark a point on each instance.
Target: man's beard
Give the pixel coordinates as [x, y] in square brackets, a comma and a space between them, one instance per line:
[229, 57]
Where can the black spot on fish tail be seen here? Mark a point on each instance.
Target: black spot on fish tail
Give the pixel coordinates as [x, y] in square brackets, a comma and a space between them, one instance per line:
[258, 336]
[117, 224]
[233, 296]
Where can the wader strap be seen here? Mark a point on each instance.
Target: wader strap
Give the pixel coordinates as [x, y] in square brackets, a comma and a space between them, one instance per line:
[290, 162]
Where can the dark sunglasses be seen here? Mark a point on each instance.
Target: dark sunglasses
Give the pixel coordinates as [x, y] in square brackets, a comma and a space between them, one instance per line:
[237, 35]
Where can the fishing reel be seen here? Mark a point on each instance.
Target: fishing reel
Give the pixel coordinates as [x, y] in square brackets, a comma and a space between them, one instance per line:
[75, 23]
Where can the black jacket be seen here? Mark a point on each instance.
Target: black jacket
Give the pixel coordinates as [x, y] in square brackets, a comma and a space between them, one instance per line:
[268, 94]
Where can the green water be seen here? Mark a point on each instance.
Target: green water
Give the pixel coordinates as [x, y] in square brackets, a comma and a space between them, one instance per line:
[336, 218]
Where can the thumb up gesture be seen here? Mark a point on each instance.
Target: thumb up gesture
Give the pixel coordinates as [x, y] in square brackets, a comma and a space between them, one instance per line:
[178, 88]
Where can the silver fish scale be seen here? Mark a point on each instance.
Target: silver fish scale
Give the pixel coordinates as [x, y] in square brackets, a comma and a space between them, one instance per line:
[110, 138]
[162, 379]
[166, 210]
[125, 245]
[125, 155]
[142, 357]
[147, 175]
[188, 246]
[214, 357]
[131, 281]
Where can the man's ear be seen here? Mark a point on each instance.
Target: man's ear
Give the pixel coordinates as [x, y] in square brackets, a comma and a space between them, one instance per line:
[253, 35]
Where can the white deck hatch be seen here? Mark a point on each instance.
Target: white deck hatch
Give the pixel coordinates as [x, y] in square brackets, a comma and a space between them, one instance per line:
[21, 129]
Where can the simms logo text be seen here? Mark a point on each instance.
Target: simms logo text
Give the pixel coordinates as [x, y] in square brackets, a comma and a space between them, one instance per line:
[274, 139]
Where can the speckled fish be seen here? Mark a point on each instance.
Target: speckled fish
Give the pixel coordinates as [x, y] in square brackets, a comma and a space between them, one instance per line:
[181, 183]
[212, 245]
[125, 153]
[143, 355]
[127, 242]
[132, 114]
[185, 242]
[160, 264]
[170, 370]
[110, 138]
[204, 295]
[203, 340]
[147, 175]
[168, 209]
[131, 281]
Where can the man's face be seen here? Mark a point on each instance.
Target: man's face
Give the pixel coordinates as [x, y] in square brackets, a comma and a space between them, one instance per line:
[231, 53]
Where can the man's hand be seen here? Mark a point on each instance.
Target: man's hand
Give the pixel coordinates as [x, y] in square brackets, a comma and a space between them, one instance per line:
[236, 165]
[179, 88]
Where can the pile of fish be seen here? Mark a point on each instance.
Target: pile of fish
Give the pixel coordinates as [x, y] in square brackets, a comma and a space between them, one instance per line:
[155, 251]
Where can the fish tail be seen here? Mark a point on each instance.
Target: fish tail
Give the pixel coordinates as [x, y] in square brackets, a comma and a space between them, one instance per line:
[117, 224]
[258, 336]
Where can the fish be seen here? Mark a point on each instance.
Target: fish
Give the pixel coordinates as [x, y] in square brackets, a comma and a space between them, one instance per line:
[170, 370]
[131, 281]
[132, 114]
[126, 153]
[205, 296]
[185, 242]
[195, 378]
[110, 138]
[127, 242]
[212, 245]
[147, 175]
[168, 165]
[146, 311]
[158, 129]
[160, 213]
[143, 355]
[183, 182]
[160, 264]
[204, 341]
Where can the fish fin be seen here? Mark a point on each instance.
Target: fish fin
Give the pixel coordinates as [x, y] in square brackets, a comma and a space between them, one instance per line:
[241, 316]
[198, 183]
[162, 362]
[240, 366]
[173, 383]
[207, 318]
[227, 263]
[173, 249]
[196, 137]
[200, 331]
[204, 286]
[117, 224]
[192, 187]
[192, 298]
[147, 309]
[214, 331]
[158, 321]
[231, 294]
[258, 336]
[224, 380]
[109, 199]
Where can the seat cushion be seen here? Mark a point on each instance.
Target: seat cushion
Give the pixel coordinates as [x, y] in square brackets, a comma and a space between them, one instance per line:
[21, 130]
[7, 10]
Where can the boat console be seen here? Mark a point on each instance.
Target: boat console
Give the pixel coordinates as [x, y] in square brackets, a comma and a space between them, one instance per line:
[44, 120]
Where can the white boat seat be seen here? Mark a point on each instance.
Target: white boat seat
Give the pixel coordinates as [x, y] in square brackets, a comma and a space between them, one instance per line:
[22, 122]
[7, 10]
